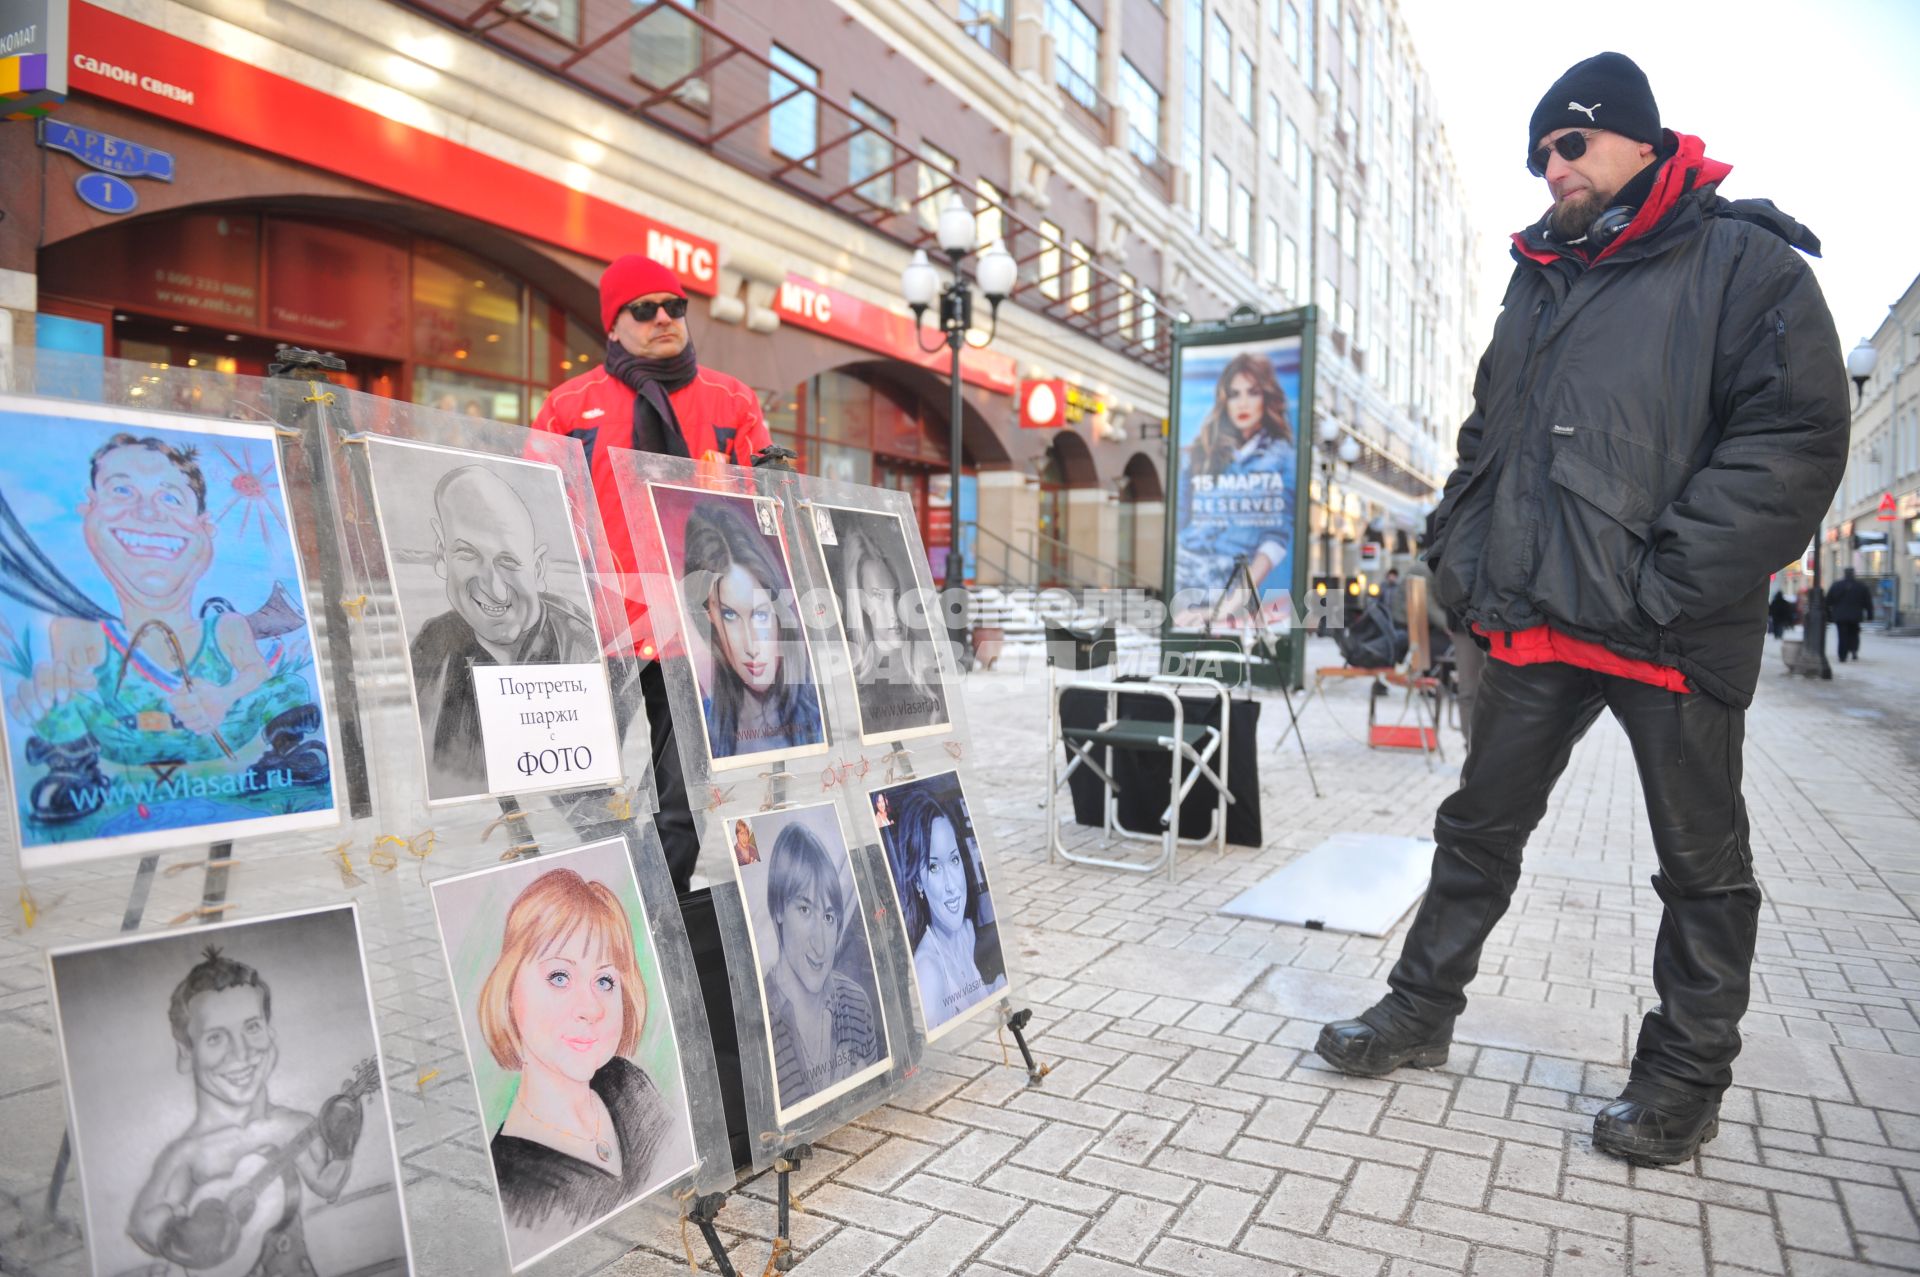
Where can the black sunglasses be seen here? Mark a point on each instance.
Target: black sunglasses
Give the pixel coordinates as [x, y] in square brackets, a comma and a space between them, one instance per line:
[643, 312]
[1569, 146]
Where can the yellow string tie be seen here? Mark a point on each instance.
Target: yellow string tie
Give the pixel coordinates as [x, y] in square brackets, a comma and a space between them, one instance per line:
[620, 806]
[520, 849]
[174, 871]
[343, 853]
[28, 909]
[685, 1197]
[381, 859]
[420, 846]
[319, 395]
[426, 1077]
[355, 607]
[204, 911]
[780, 1247]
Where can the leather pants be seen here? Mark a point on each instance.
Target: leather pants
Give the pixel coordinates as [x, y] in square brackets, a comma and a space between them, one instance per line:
[1687, 747]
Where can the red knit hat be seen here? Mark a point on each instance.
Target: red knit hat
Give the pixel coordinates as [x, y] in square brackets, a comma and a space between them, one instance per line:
[630, 277]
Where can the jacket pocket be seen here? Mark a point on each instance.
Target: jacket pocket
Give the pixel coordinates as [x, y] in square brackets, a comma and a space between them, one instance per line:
[1596, 541]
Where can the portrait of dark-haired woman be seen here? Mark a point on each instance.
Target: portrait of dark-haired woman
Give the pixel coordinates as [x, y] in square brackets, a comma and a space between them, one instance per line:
[957, 960]
[759, 695]
[1237, 480]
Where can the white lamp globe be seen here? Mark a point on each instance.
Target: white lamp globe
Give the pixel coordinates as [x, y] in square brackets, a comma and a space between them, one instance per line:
[1349, 450]
[1861, 359]
[998, 271]
[955, 230]
[919, 282]
[1329, 429]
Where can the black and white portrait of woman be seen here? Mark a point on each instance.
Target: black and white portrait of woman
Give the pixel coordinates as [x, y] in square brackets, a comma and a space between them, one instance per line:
[825, 1030]
[885, 615]
[940, 884]
[735, 594]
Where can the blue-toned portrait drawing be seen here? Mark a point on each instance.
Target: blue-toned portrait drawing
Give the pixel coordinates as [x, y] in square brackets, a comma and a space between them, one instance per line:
[156, 659]
[1238, 486]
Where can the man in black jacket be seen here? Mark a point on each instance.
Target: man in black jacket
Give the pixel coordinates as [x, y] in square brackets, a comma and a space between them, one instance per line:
[1659, 422]
[1849, 602]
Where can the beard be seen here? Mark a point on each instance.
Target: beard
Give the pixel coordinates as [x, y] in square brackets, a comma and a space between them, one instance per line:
[1569, 219]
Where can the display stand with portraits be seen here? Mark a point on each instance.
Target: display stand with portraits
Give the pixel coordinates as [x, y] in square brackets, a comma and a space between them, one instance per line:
[851, 942]
[236, 631]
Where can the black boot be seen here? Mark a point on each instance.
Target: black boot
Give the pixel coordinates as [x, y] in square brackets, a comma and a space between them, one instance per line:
[1374, 1045]
[1649, 1136]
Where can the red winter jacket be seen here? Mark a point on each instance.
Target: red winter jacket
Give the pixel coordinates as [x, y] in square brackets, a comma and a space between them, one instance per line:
[719, 417]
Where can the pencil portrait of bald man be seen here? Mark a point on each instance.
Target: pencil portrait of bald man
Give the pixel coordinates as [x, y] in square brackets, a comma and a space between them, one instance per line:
[504, 588]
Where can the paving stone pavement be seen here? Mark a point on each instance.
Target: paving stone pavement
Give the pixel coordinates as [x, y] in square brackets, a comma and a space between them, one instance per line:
[1186, 1129]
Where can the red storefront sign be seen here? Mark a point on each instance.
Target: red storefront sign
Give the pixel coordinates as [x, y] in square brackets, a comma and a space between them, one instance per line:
[1043, 404]
[124, 61]
[820, 309]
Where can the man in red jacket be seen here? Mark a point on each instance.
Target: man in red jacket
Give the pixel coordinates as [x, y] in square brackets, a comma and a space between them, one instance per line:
[652, 395]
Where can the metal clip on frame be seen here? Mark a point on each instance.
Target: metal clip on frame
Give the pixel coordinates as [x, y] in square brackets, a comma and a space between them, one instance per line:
[783, 1259]
[703, 1212]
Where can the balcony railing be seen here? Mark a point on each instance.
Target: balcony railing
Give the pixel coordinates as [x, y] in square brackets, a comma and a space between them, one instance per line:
[727, 117]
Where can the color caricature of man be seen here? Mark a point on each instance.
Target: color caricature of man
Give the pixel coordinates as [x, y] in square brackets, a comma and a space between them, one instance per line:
[232, 1179]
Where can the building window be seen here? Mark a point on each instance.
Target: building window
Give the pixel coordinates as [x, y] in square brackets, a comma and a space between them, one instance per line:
[1330, 94]
[1221, 54]
[1329, 205]
[1193, 116]
[1141, 101]
[1243, 222]
[870, 154]
[1218, 214]
[1149, 318]
[1271, 127]
[1243, 85]
[1270, 251]
[934, 179]
[1272, 9]
[1050, 261]
[1350, 37]
[1290, 268]
[561, 17]
[793, 127]
[1080, 279]
[664, 48]
[987, 218]
[1346, 317]
[1127, 287]
[1076, 52]
[1290, 33]
[1350, 230]
[986, 22]
[1290, 151]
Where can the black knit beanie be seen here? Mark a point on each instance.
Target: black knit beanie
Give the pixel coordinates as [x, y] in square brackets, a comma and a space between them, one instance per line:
[1607, 91]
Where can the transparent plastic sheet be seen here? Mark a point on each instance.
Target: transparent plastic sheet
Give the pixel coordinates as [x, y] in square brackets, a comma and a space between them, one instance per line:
[862, 769]
[387, 850]
[841, 777]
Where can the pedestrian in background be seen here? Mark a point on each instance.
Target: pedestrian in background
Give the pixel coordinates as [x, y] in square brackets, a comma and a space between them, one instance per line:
[1779, 613]
[1849, 602]
[1647, 319]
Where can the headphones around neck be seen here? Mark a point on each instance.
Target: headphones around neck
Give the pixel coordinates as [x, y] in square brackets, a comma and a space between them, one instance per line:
[1607, 227]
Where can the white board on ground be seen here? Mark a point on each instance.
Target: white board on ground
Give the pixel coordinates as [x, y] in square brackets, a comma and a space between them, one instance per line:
[1362, 883]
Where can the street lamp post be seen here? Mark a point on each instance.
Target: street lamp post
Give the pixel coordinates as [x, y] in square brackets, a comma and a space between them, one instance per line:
[1860, 364]
[956, 234]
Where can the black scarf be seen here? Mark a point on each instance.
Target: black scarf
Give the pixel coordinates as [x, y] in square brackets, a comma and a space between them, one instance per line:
[655, 428]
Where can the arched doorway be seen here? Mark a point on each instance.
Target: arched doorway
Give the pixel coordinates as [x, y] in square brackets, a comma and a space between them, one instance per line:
[1139, 550]
[1066, 465]
[414, 316]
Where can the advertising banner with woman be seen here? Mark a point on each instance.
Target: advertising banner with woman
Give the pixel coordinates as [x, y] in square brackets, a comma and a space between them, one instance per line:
[1241, 411]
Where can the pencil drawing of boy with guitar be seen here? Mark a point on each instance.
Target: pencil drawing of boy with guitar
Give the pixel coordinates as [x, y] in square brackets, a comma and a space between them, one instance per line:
[224, 1198]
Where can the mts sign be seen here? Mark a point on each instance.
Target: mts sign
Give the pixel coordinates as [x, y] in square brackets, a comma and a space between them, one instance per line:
[806, 303]
[691, 259]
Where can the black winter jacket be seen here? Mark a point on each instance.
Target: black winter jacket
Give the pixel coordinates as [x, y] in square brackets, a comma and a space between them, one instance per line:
[1849, 601]
[1652, 436]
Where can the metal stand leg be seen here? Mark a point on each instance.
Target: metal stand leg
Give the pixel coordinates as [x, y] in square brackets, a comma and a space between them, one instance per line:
[1017, 1023]
[783, 1259]
[1293, 730]
[705, 1210]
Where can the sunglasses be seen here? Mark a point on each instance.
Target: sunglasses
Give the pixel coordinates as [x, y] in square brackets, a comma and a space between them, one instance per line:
[1569, 147]
[643, 312]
